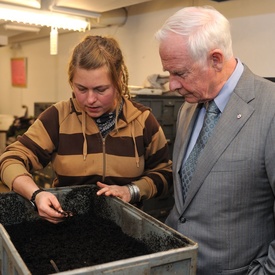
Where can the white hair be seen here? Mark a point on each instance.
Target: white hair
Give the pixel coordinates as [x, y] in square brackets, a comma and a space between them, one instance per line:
[204, 28]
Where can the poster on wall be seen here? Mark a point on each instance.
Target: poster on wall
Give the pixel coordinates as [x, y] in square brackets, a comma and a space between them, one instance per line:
[19, 72]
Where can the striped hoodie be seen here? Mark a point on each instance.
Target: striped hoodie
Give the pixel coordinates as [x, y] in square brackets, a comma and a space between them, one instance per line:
[136, 151]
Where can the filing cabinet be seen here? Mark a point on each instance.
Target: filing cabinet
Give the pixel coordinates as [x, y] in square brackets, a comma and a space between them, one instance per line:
[165, 108]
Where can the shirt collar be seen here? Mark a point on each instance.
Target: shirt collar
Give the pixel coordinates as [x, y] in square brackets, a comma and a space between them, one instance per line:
[228, 88]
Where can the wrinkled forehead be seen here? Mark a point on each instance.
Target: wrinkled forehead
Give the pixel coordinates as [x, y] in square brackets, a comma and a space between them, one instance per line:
[173, 44]
[173, 52]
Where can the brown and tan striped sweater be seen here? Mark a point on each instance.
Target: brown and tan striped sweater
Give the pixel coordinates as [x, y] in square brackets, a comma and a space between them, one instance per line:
[136, 151]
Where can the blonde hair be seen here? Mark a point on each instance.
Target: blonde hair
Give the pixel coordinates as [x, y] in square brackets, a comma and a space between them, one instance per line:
[97, 51]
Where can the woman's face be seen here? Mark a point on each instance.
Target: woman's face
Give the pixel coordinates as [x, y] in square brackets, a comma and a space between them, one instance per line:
[94, 91]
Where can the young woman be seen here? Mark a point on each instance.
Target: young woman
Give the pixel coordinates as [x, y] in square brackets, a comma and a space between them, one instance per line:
[99, 136]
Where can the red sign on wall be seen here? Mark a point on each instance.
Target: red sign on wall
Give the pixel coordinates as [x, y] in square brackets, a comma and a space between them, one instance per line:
[19, 72]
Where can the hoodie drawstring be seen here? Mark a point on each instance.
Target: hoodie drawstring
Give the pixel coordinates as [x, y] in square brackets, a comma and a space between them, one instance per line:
[84, 135]
[134, 140]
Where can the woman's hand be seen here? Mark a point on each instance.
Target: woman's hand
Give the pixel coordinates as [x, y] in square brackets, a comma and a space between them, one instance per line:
[121, 192]
[47, 204]
[49, 207]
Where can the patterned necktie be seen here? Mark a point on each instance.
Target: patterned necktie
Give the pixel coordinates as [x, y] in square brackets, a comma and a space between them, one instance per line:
[188, 168]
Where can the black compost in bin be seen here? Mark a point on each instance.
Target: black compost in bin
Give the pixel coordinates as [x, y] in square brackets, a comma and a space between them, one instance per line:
[103, 233]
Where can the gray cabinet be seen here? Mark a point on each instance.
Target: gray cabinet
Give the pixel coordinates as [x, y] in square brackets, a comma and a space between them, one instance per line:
[165, 108]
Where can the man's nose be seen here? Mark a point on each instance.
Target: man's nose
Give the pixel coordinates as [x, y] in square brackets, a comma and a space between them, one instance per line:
[174, 84]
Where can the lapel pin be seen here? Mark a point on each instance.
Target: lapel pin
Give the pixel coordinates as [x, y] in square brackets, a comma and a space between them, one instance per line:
[239, 116]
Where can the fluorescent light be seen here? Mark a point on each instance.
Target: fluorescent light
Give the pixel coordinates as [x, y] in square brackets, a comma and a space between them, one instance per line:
[21, 28]
[42, 18]
[30, 3]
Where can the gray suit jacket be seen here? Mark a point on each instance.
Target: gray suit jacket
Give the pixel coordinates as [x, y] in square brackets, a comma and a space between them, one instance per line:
[229, 209]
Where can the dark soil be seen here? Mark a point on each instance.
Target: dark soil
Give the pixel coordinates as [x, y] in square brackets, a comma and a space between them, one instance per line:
[89, 238]
[80, 241]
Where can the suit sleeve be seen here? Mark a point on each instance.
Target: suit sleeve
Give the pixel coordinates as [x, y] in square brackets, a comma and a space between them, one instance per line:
[266, 264]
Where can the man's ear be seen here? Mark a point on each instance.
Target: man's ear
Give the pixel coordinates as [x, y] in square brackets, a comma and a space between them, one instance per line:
[217, 59]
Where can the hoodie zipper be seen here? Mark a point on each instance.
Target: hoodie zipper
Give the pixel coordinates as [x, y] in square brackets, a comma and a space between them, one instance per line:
[104, 159]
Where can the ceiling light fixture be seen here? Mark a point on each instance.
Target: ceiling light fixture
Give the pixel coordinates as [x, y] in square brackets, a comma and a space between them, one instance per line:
[21, 28]
[43, 18]
[29, 3]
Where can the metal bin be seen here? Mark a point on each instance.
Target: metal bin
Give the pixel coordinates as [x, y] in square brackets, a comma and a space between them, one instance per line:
[134, 222]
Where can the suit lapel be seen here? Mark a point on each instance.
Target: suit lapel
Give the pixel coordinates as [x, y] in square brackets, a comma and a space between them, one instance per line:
[234, 117]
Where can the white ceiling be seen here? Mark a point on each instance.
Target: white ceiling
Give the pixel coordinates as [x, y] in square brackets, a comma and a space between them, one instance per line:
[96, 6]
